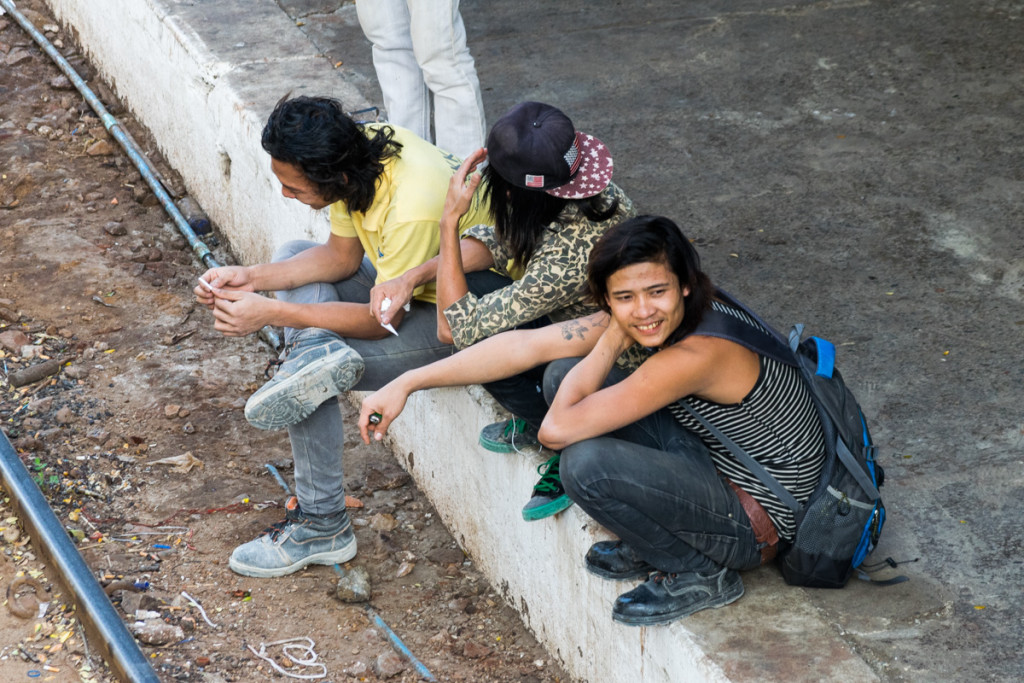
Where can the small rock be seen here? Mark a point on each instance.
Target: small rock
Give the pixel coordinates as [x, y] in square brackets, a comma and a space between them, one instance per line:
[100, 148]
[353, 585]
[9, 314]
[97, 435]
[405, 569]
[61, 83]
[31, 351]
[156, 632]
[114, 228]
[64, 416]
[17, 56]
[189, 428]
[357, 670]
[202, 661]
[76, 372]
[458, 605]
[384, 477]
[92, 196]
[383, 522]
[13, 340]
[440, 639]
[142, 195]
[130, 602]
[171, 410]
[388, 665]
[28, 443]
[30, 424]
[446, 556]
[40, 405]
[475, 650]
[184, 412]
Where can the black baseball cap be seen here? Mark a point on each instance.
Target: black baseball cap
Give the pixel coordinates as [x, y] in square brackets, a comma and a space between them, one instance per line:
[536, 147]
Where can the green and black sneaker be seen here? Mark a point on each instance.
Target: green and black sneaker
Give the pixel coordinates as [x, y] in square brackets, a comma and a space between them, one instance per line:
[549, 498]
[508, 436]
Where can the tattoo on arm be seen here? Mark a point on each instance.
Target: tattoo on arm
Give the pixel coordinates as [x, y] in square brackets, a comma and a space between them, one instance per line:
[577, 329]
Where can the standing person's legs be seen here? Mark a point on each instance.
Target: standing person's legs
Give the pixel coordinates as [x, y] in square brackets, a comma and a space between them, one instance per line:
[439, 41]
[386, 25]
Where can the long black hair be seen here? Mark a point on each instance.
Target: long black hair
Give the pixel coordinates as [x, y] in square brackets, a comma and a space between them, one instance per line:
[652, 239]
[332, 150]
[521, 215]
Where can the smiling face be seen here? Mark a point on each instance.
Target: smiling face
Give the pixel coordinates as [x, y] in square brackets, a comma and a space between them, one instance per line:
[295, 184]
[646, 300]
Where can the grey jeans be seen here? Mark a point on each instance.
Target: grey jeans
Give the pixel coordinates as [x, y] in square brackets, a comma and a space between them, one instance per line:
[653, 484]
[318, 441]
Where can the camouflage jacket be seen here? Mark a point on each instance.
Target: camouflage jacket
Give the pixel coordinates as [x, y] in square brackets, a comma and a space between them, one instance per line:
[554, 282]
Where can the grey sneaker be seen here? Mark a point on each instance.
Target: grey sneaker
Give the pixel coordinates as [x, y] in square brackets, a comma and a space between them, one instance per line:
[508, 436]
[312, 372]
[294, 542]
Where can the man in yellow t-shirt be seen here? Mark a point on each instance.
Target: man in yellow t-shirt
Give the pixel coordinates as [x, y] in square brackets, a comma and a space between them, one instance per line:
[386, 190]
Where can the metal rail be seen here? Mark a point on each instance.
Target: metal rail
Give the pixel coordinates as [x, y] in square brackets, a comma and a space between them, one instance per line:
[102, 622]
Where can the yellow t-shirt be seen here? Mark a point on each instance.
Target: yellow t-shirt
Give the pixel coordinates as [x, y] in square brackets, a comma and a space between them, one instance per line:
[399, 230]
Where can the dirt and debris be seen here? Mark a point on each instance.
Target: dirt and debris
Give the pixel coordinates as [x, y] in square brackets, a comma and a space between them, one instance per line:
[126, 408]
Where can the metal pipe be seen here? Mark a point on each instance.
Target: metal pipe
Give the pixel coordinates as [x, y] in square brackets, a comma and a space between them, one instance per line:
[101, 620]
[202, 252]
[400, 647]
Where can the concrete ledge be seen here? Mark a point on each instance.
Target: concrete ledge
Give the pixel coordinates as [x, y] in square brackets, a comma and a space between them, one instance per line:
[203, 77]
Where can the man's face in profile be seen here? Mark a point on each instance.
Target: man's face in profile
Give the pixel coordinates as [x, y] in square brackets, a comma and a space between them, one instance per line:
[295, 185]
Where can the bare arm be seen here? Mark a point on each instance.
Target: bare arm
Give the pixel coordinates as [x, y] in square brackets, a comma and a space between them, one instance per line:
[715, 369]
[335, 260]
[494, 358]
[238, 311]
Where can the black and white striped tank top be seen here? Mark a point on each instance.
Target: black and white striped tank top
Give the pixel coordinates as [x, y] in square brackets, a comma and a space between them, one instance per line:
[776, 424]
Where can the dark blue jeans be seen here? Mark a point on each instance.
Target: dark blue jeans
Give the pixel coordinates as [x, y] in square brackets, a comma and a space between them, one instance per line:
[522, 394]
[654, 485]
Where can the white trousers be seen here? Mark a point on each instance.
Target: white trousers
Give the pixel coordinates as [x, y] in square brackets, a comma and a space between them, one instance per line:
[419, 48]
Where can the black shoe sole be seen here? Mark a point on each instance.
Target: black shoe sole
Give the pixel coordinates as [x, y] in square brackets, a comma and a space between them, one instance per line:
[656, 619]
[618, 576]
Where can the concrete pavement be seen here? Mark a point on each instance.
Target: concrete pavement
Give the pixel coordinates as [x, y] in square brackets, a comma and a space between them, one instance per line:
[855, 165]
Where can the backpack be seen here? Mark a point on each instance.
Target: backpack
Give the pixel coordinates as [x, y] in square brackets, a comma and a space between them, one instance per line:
[839, 525]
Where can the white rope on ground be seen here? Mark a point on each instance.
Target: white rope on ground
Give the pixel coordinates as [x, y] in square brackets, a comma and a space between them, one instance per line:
[289, 644]
[199, 607]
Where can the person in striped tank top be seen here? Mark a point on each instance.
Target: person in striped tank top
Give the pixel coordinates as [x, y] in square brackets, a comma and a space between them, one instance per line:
[688, 516]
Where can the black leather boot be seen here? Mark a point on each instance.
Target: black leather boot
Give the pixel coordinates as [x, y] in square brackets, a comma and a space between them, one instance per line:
[667, 597]
[615, 560]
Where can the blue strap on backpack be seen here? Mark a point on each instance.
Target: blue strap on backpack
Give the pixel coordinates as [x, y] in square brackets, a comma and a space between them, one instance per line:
[839, 524]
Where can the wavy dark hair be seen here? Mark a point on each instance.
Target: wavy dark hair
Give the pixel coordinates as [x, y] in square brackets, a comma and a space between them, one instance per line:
[652, 239]
[332, 150]
[521, 215]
